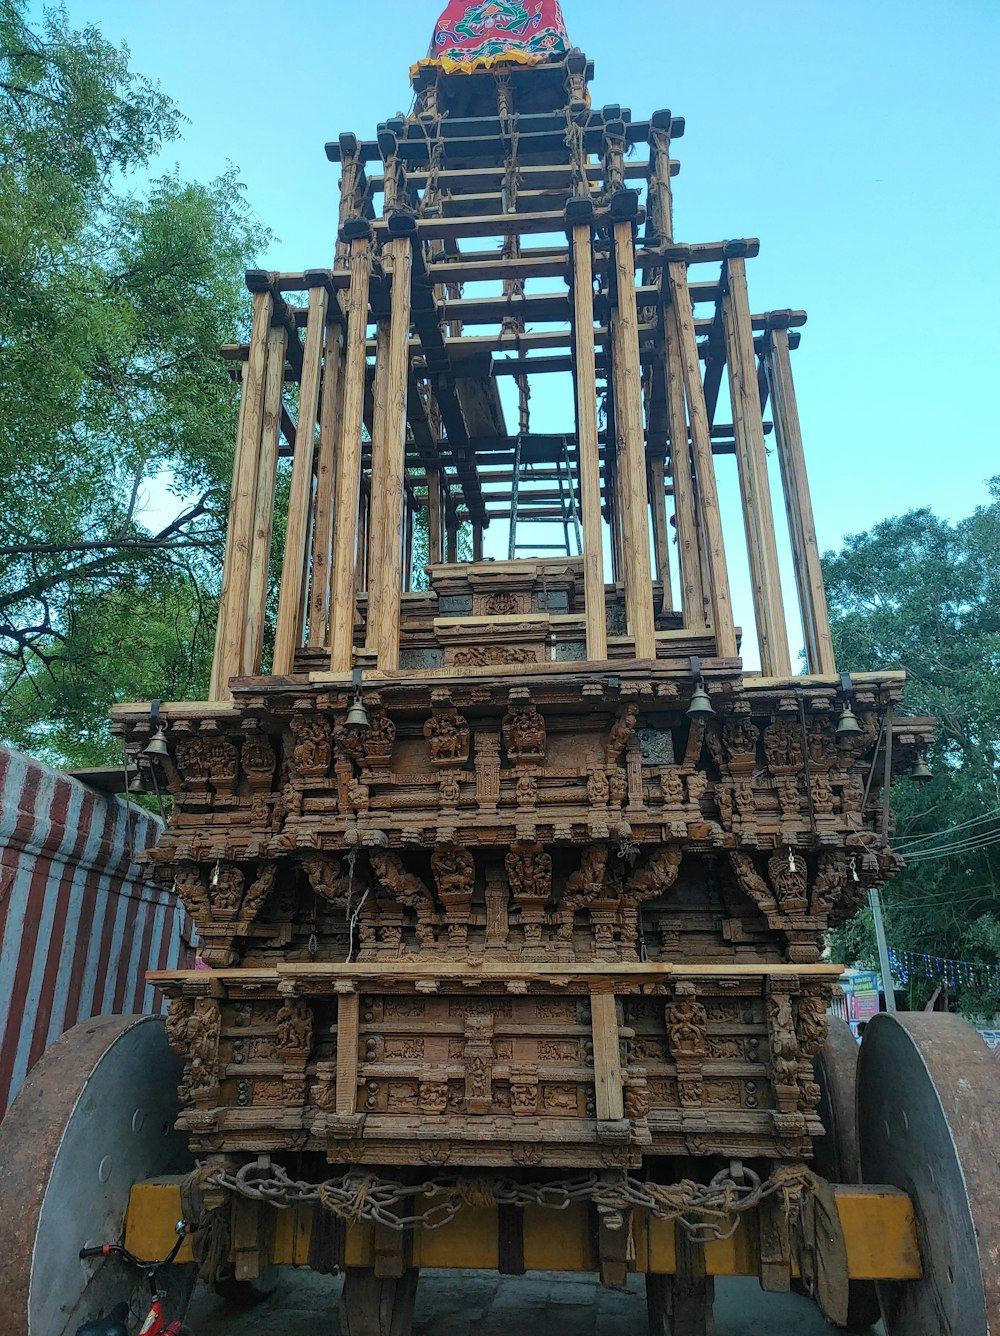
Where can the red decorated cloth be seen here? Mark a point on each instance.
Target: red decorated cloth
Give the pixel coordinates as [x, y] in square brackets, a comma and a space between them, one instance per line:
[476, 36]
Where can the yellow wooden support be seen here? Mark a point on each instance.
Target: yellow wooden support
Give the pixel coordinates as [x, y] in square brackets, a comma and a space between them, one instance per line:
[879, 1225]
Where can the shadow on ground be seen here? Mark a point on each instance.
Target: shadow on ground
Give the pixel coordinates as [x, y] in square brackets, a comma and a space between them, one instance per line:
[475, 1303]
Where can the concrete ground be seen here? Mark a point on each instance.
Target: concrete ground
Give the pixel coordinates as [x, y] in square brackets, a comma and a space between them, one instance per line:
[476, 1303]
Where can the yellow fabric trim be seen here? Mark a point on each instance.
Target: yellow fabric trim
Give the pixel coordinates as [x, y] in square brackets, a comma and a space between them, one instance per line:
[450, 66]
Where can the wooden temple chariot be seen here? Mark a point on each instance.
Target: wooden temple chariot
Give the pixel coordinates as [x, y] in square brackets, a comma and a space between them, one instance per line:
[483, 880]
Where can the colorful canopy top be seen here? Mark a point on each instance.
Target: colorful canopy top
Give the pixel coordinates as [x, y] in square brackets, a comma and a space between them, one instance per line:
[469, 37]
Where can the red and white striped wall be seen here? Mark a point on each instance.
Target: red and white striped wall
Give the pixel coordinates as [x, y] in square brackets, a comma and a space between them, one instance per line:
[80, 923]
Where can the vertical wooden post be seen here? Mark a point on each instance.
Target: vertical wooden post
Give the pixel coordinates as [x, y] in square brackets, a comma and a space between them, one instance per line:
[263, 515]
[326, 467]
[477, 540]
[435, 517]
[587, 443]
[348, 1024]
[609, 1097]
[348, 480]
[631, 447]
[229, 635]
[798, 503]
[708, 498]
[288, 631]
[690, 551]
[660, 193]
[755, 492]
[379, 410]
[385, 574]
[661, 538]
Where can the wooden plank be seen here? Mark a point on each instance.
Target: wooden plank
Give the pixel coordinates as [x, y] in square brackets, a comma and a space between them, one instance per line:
[694, 577]
[230, 629]
[348, 480]
[798, 502]
[661, 537]
[288, 633]
[723, 622]
[348, 1014]
[388, 459]
[587, 438]
[632, 498]
[607, 1057]
[263, 519]
[751, 458]
[378, 427]
[326, 463]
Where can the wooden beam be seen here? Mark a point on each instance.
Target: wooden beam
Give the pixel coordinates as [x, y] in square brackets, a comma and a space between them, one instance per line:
[348, 480]
[723, 623]
[751, 458]
[608, 1093]
[263, 515]
[288, 633]
[632, 495]
[798, 502]
[589, 458]
[331, 403]
[694, 577]
[228, 657]
[385, 580]
[661, 537]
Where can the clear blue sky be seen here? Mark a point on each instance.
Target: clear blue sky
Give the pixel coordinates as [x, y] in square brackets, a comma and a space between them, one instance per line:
[857, 138]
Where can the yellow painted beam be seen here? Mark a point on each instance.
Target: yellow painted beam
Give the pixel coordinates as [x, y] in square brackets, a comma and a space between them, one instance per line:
[879, 1228]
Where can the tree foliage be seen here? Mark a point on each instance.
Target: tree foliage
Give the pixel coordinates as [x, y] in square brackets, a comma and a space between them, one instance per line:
[116, 416]
[921, 594]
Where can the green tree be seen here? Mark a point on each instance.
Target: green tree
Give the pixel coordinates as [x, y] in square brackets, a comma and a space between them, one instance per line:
[921, 594]
[116, 416]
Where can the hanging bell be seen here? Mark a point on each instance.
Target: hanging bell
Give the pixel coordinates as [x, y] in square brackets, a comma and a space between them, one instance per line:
[847, 723]
[357, 715]
[138, 784]
[920, 772]
[701, 706]
[157, 744]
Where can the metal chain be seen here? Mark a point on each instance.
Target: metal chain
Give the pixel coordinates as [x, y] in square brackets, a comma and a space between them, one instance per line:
[705, 1211]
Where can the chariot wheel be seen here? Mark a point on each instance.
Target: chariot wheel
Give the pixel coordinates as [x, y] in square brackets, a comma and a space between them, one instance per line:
[373, 1305]
[95, 1115]
[835, 1155]
[929, 1124]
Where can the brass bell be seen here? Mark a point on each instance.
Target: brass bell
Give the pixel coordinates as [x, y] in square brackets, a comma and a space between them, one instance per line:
[357, 715]
[847, 723]
[157, 744]
[920, 772]
[701, 706]
[138, 784]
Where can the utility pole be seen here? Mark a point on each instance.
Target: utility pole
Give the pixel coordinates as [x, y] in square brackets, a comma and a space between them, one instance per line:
[875, 903]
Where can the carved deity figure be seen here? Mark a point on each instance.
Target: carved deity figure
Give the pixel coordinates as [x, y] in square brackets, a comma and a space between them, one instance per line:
[597, 789]
[313, 746]
[752, 882]
[788, 875]
[672, 787]
[326, 879]
[656, 877]
[454, 870]
[257, 759]
[189, 884]
[378, 737]
[203, 1046]
[783, 746]
[526, 791]
[587, 883]
[529, 870]
[686, 1024]
[258, 891]
[447, 735]
[620, 733]
[294, 1027]
[523, 730]
[784, 1045]
[225, 889]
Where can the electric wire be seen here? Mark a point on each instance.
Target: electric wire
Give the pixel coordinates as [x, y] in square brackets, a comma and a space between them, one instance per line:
[950, 830]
